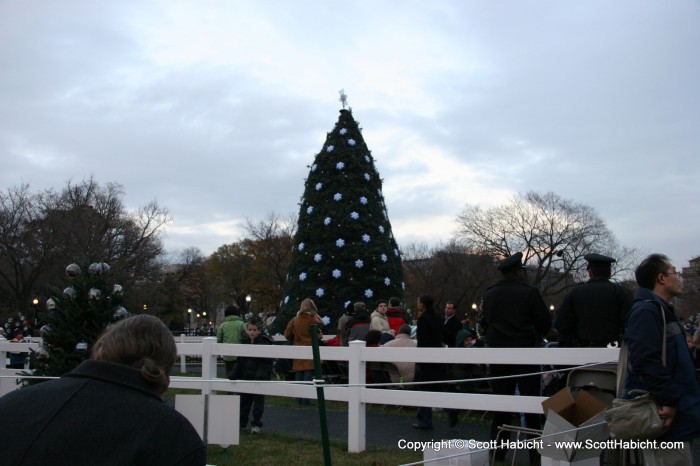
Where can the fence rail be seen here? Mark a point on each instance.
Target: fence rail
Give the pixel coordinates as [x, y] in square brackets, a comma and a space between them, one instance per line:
[355, 392]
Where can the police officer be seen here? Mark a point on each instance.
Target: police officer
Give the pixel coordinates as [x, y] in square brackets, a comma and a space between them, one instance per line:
[593, 313]
[514, 316]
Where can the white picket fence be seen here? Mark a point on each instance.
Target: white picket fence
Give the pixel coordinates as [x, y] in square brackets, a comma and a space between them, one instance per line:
[355, 392]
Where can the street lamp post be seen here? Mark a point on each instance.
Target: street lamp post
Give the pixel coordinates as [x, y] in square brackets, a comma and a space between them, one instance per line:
[189, 320]
[35, 303]
[248, 299]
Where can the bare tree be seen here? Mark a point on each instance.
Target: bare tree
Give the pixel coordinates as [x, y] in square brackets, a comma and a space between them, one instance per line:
[227, 269]
[449, 272]
[41, 233]
[552, 233]
[269, 243]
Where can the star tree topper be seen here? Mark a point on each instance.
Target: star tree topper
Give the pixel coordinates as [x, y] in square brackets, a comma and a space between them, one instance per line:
[343, 97]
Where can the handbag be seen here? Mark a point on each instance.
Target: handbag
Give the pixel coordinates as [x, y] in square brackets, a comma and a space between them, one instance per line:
[635, 418]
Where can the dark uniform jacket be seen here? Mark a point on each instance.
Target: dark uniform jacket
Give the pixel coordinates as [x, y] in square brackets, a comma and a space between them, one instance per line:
[593, 314]
[514, 315]
[100, 413]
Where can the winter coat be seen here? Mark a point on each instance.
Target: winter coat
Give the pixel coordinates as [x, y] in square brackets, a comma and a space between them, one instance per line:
[406, 369]
[358, 326]
[251, 368]
[514, 315]
[450, 329]
[299, 331]
[342, 329]
[100, 413]
[379, 322]
[396, 318]
[673, 384]
[429, 335]
[593, 314]
[230, 331]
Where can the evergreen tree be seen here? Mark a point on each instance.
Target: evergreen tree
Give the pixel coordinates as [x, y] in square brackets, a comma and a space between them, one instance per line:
[344, 249]
[76, 318]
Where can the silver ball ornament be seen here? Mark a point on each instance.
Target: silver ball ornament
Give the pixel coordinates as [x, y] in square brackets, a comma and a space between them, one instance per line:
[120, 313]
[73, 270]
[98, 268]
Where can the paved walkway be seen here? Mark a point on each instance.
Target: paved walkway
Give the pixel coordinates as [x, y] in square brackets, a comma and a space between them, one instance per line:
[383, 429]
[386, 429]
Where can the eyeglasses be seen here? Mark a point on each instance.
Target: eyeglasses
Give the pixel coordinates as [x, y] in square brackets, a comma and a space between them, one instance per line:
[677, 274]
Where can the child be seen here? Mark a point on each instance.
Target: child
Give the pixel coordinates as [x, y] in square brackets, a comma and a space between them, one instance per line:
[249, 368]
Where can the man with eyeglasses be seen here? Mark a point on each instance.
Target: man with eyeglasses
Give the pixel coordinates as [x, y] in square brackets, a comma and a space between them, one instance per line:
[593, 313]
[671, 382]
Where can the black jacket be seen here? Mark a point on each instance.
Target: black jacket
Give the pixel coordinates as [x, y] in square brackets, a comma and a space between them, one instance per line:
[593, 314]
[450, 330]
[100, 413]
[250, 368]
[514, 315]
[358, 326]
[429, 335]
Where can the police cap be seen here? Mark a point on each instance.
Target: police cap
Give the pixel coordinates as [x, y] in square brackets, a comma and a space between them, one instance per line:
[516, 260]
[598, 259]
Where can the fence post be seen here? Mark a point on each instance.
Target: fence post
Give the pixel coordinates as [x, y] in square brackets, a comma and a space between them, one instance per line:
[356, 409]
[183, 357]
[208, 363]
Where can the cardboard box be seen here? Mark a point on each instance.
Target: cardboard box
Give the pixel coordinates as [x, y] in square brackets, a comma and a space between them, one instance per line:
[573, 417]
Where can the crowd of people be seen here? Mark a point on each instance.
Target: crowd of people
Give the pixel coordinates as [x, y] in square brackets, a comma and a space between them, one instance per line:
[596, 313]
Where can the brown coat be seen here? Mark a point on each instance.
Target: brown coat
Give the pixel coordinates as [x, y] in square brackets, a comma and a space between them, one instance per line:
[299, 331]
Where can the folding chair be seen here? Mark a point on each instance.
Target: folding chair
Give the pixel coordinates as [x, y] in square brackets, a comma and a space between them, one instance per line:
[518, 432]
[334, 371]
[599, 381]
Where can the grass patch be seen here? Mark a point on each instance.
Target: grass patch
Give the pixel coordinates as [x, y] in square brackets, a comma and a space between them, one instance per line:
[277, 448]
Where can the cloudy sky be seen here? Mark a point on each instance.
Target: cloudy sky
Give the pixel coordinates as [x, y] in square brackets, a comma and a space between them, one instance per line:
[216, 108]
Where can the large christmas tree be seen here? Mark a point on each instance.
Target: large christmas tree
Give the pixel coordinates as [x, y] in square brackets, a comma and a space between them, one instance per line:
[76, 317]
[344, 249]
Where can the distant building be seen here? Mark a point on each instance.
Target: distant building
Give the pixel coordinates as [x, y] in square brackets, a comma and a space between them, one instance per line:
[688, 304]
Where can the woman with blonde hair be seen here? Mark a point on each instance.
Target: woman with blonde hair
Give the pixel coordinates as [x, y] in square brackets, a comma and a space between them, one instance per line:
[298, 331]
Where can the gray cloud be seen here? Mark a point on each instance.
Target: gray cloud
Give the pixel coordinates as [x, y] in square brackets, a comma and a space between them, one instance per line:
[217, 111]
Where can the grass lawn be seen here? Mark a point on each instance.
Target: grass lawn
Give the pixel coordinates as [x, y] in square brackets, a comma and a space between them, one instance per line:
[285, 448]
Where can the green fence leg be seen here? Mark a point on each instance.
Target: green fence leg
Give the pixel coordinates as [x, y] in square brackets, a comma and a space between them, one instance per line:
[321, 398]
